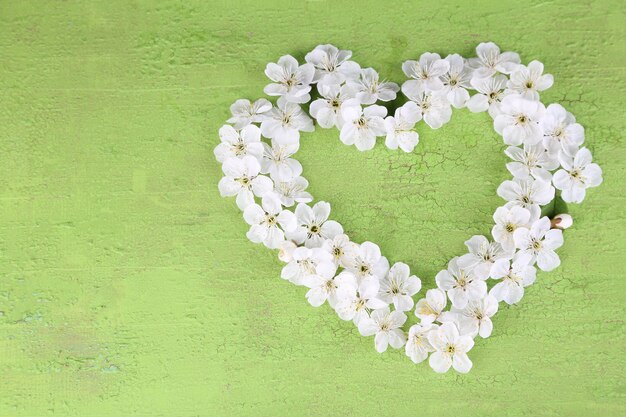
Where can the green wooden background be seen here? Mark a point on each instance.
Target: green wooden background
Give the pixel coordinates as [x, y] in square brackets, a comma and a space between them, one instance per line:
[128, 287]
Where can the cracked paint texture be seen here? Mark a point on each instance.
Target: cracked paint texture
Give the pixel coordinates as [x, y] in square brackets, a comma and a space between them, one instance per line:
[128, 287]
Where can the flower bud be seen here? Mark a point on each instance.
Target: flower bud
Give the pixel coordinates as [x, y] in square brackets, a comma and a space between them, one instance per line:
[561, 221]
[285, 251]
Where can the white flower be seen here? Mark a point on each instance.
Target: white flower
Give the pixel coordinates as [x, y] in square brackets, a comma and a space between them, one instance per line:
[425, 72]
[461, 285]
[277, 162]
[475, 318]
[340, 248]
[331, 64]
[293, 191]
[482, 255]
[528, 81]
[327, 110]
[400, 127]
[245, 112]
[243, 180]
[527, 193]
[450, 349]
[285, 122]
[386, 326]
[456, 81]
[519, 120]
[515, 276]
[357, 299]
[369, 88]
[264, 221]
[367, 263]
[362, 126]
[490, 61]
[303, 263]
[285, 251]
[238, 144]
[531, 160]
[491, 91]
[291, 81]
[313, 225]
[429, 309]
[560, 130]
[398, 287]
[433, 106]
[417, 346]
[540, 242]
[324, 286]
[578, 174]
[508, 220]
[563, 221]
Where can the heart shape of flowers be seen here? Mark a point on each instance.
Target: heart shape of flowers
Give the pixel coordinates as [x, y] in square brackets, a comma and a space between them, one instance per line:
[544, 145]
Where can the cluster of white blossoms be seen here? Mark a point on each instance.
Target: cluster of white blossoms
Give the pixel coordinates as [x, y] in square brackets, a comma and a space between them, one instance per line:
[544, 145]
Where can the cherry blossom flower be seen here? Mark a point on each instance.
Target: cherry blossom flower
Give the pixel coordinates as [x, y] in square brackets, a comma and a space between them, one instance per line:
[400, 126]
[490, 93]
[238, 144]
[332, 65]
[285, 122]
[313, 225]
[367, 263]
[578, 174]
[277, 162]
[527, 81]
[429, 309]
[357, 299]
[386, 326]
[519, 120]
[532, 160]
[268, 221]
[362, 126]
[528, 193]
[398, 287]
[475, 318]
[303, 263]
[425, 72]
[482, 255]
[293, 191]
[450, 349]
[327, 110]
[369, 88]
[540, 242]
[456, 81]
[560, 130]
[509, 219]
[433, 106]
[490, 61]
[515, 276]
[243, 180]
[417, 345]
[461, 285]
[245, 112]
[323, 285]
[341, 249]
[291, 80]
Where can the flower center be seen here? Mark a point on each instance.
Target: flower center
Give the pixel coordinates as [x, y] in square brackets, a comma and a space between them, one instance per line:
[337, 252]
[314, 228]
[536, 244]
[244, 181]
[510, 228]
[361, 122]
[450, 349]
[334, 103]
[364, 269]
[522, 119]
[271, 220]
[529, 84]
[240, 148]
